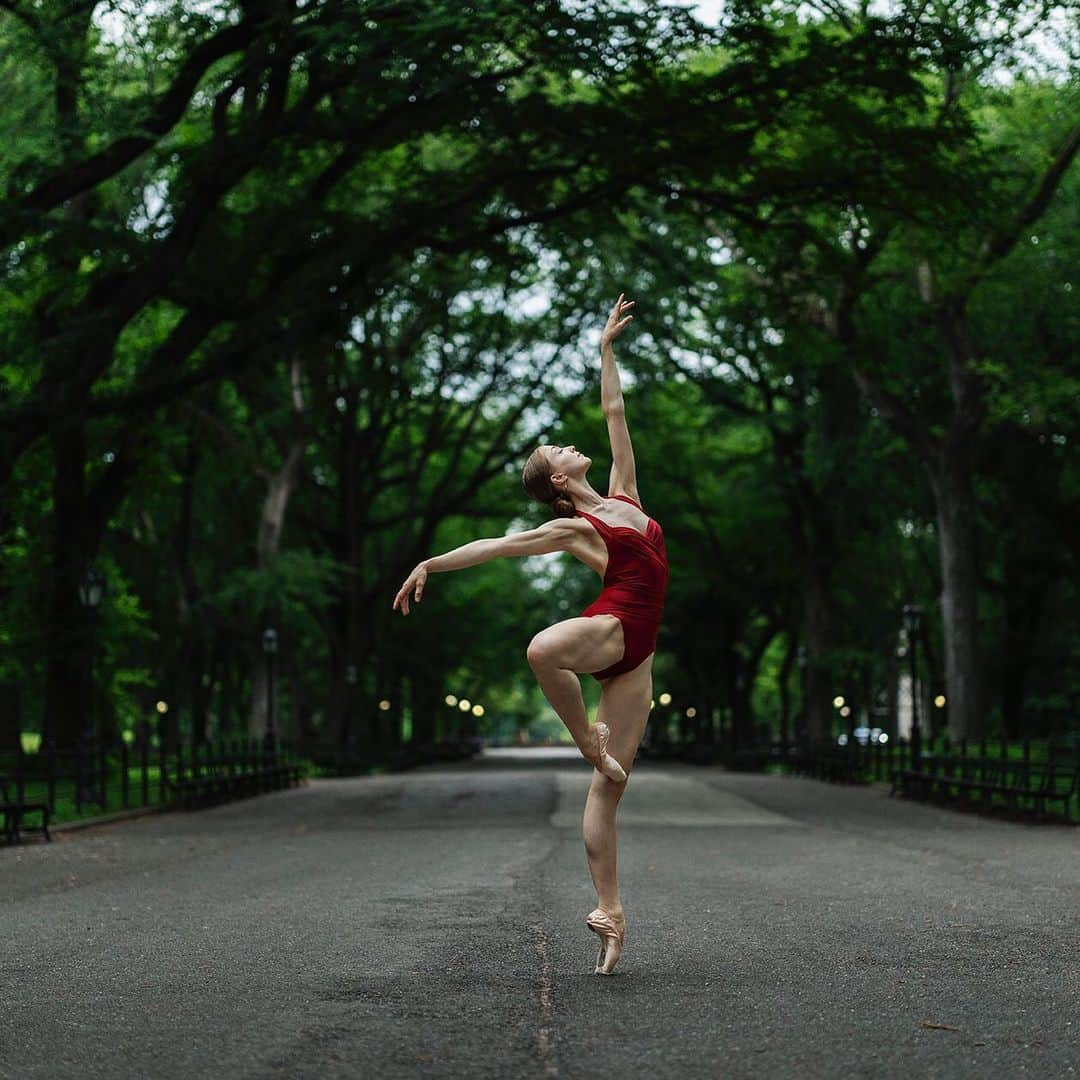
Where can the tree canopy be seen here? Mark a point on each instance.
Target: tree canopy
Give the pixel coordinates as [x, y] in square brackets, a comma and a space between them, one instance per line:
[290, 290]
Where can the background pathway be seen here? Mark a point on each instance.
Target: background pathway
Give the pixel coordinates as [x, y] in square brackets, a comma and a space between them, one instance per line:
[432, 924]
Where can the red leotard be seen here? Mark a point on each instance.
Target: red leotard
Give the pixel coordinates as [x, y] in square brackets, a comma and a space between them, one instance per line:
[635, 584]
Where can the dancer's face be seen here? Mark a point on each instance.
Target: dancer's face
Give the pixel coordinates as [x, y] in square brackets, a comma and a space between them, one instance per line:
[566, 462]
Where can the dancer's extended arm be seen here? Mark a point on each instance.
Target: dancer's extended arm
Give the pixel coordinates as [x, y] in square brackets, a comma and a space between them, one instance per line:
[554, 535]
[623, 478]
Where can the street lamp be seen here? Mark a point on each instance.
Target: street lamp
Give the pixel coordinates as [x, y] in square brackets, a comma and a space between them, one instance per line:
[350, 693]
[913, 623]
[91, 593]
[800, 659]
[269, 644]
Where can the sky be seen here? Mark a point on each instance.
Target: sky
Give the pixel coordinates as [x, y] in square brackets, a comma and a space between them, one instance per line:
[1045, 42]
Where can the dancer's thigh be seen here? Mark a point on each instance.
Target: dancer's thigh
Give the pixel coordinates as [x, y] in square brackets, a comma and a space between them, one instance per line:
[624, 707]
[584, 643]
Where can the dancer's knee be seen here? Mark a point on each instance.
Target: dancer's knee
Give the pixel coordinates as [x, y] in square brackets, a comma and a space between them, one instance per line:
[540, 653]
[607, 790]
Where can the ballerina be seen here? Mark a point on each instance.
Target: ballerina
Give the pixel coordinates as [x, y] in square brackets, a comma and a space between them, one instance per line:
[613, 639]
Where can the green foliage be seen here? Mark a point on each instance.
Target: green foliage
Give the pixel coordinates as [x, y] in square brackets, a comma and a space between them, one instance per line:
[373, 243]
[295, 582]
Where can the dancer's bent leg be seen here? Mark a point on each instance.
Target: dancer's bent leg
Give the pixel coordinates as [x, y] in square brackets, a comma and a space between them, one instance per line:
[557, 653]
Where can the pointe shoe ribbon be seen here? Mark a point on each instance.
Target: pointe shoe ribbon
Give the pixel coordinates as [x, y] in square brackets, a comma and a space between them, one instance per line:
[611, 937]
[602, 760]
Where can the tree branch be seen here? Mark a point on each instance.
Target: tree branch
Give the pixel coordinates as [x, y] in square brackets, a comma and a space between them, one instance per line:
[71, 180]
[897, 415]
[996, 247]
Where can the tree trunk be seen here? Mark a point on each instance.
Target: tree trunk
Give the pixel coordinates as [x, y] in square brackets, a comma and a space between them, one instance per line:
[785, 689]
[817, 598]
[424, 695]
[741, 686]
[69, 640]
[954, 494]
[1025, 597]
[280, 486]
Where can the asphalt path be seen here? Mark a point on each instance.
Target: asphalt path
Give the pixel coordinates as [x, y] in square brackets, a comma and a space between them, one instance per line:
[432, 923]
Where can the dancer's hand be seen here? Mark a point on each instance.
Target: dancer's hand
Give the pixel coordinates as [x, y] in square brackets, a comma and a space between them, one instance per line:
[416, 580]
[614, 326]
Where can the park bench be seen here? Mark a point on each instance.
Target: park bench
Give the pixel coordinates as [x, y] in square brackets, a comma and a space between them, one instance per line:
[937, 774]
[835, 764]
[1061, 778]
[1013, 780]
[1023, 785]
[14, 812]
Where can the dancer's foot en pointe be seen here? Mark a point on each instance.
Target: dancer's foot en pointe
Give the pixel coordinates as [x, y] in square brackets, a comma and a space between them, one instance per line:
[611, 929]
[599, 756]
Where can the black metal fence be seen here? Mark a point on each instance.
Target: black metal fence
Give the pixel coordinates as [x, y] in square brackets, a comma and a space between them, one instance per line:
[356, 758]
[1017, 777]
[58, 784]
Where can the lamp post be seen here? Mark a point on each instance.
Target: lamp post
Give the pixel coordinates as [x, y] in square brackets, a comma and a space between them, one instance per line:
[91, 593]
[913, 623]
[350, 691]
[800, 659]
[269, 644]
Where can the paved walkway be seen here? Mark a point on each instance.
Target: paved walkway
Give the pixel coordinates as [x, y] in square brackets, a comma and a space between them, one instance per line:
[432, 924]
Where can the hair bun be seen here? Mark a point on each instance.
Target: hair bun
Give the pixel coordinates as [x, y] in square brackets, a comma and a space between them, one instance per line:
[563, 505]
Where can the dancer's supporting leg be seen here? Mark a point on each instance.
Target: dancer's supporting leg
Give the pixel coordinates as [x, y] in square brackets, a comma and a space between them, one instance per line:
[598, 831]
[558, 652]
[624, 707]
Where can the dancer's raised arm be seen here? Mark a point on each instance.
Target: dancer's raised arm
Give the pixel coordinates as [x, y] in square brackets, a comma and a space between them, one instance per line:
[623, 480]
[555, 535]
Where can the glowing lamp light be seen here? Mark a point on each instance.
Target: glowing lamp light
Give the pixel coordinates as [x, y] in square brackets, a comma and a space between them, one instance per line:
[451, 699]
[162, 707]
[846, 710]
[838, 701]
[652, 703]
[464, 705]
[478, 710]
[384, 705]
[939, 701]
[665, 699]
[691, 712]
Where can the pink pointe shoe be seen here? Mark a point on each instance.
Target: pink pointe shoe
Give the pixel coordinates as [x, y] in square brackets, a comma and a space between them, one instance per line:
[612, 934]
[601, 759]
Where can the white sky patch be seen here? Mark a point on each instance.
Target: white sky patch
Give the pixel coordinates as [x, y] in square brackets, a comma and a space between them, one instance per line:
[153, 214]
[124, 22]
[536, 304]
[1046, 49]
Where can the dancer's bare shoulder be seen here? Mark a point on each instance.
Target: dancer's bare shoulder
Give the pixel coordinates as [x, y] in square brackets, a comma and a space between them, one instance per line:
[556, 534]
[586, 544]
